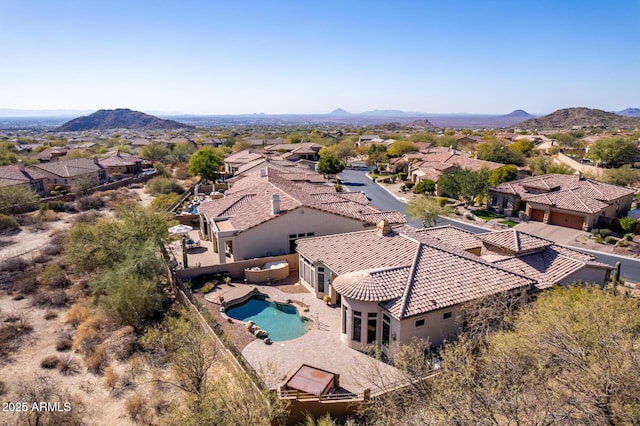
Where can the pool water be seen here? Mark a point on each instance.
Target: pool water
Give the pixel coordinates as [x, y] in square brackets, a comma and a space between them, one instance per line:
[280, 320]
[194, 210]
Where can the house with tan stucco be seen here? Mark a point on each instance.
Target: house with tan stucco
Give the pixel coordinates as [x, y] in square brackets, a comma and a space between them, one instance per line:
[394, 284]
[269, 210]
[572, 201]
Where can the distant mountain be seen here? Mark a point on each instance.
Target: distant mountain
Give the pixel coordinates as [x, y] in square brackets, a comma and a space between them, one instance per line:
[519, 113]
[121, 118]
[339, 111]
[630, 112]
[568, 118]
[421, 124]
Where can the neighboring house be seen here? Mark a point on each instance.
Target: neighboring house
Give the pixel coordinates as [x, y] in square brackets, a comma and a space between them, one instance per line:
[368, 140]
[394, 284]
[436, 160]
[258, 142]
[120, 165]
[565, 200]
[18, 174]
[295, 151]
[235, 161]
[465, 139]
[52, 154]
[268, 210]
[65, 172]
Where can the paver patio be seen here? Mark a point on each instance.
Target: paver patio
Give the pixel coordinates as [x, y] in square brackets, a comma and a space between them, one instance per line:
[320, 347]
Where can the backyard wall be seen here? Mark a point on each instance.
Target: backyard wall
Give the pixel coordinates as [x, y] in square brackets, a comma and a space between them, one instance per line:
[584, 168]
[236, 269]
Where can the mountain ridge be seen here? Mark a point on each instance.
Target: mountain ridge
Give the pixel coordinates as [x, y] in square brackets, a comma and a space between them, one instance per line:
[568, 118]
[120, 118]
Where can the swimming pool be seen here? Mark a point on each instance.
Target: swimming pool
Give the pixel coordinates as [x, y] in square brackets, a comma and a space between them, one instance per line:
[280, 320]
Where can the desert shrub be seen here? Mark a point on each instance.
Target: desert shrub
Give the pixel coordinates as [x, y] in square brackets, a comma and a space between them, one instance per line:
[136, 407]
[628, 237]
[55, 205]
[3, 388]
[88, 217]
[181, 171]
[338, 187]
[70, 207]
[95, 359]
[43, 388]
[110, 377]
[403, 176]
[132, 300]
[48, 216]
[90, 202]
[163, 185]
[207, 287]
[409, 185]
[24, 283]
[42, 258]
[68, 365]
[53, 276]
[598, 238]
[8, 223]
[605, 232]
[442, 201]
[77, 314]
[610, 240]
[123, 343]
[14, 264]
[622, 243]
[54, 298]
[49, 315]
[50, 362]
[63, 343]
[164, 201]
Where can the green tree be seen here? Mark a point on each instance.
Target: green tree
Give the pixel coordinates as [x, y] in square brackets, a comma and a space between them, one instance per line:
[522, 146]
[503, 174]
[428, 210]
[540, 165]
[425, 185]
[399, 148]
[154, 151]
[464, 184]
[623, 176]
[628, 224]
[206, 163]
[181, 152]
[342, 150]
[500, 153]
[330, 165]
[17, 199]
[611, 151]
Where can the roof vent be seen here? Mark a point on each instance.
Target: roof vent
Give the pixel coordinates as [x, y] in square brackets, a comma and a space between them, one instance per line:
[578, 175]
[275, 204]
[263, 172]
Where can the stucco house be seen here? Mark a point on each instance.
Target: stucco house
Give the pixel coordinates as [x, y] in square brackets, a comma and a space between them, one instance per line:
[565, 200]
[235, 161]
[65, 172]
[267, 211]
[18, 174]
[393, 284]
[295, 151]
[120, 165]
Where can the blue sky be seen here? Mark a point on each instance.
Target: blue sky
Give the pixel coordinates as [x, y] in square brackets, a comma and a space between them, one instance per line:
[232, 57]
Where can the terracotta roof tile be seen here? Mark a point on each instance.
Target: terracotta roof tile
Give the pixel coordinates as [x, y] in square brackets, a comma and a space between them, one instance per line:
[13, 175]
[515, 241]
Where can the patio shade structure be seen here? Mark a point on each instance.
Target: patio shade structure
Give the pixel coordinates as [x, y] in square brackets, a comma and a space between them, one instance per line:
[180, 229]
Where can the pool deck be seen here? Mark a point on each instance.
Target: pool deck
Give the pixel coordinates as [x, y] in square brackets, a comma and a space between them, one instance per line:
[321, 347]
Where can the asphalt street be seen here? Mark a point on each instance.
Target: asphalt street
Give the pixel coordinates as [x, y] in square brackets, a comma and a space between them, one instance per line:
[356, 180]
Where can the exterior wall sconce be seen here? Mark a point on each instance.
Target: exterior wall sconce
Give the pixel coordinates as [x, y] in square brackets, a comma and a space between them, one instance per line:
[393, 336]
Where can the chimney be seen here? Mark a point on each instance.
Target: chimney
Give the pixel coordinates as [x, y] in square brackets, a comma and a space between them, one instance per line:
[21, 165]
[95, 159]
[450, 148]
[383, 228]
[275, 204]
[578, 175]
